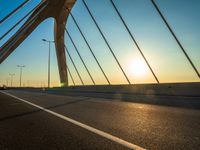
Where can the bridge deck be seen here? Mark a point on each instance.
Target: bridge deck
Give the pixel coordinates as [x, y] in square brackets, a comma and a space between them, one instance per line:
[149, 126]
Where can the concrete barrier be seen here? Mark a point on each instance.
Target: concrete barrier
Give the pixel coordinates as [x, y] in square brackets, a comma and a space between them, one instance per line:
[170, 94]
[170, 89]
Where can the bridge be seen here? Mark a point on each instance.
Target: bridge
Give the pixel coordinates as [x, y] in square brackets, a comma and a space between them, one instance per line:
[122, 69]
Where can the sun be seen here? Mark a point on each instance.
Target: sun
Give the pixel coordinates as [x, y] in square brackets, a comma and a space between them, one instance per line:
[137, 67]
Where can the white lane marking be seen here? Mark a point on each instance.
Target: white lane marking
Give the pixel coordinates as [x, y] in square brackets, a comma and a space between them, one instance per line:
[89, 128]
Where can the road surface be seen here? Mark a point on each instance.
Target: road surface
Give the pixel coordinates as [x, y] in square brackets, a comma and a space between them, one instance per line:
[31, 120]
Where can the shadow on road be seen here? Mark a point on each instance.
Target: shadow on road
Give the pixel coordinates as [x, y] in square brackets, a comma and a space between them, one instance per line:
[39, 110]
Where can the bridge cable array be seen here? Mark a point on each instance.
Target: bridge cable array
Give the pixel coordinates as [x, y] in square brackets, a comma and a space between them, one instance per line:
[14, 11]
[175, 37]
[15, 25]
[74, 65]
[76, 49]
[23, 28]
[104, 38]
[70, 74]
[133, 39]
[88, 45]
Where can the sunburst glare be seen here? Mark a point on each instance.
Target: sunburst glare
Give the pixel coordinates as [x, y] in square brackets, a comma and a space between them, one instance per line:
[137, 67]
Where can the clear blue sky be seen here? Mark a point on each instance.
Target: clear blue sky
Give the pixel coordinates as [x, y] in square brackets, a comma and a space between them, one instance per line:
[149, 30]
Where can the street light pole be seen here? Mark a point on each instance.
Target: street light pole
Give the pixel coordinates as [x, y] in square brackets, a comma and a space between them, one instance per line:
[7, 82]
[11, 75]
[20, 79]
[49, 42]
[49, 64]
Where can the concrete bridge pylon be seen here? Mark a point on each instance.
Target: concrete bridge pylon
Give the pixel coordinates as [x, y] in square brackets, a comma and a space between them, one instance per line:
[46, 9]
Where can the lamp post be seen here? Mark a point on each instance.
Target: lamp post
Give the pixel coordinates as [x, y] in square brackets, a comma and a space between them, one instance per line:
[44, 40]
[7, 80]
[20, 79]
[11, 75]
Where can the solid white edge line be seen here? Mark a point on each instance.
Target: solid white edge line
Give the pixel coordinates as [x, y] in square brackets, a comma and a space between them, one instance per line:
[89, 128]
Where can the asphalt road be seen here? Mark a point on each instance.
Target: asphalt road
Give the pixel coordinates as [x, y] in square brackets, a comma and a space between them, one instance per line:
[24, 126]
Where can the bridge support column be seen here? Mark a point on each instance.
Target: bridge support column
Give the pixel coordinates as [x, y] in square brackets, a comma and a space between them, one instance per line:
[59, 31]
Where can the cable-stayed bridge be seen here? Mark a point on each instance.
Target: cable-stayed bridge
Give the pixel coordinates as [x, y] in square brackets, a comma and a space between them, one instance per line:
[60, 11]
[97, 106]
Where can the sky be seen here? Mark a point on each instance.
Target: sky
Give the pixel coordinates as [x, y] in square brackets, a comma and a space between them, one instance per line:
[161, 50]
